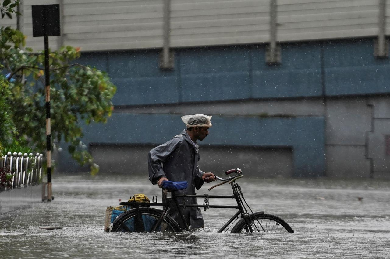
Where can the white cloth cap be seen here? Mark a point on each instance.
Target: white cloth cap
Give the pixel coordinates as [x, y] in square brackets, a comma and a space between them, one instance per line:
[197, 120]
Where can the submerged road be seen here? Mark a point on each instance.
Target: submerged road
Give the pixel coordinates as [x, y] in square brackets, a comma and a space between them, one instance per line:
[331, 219]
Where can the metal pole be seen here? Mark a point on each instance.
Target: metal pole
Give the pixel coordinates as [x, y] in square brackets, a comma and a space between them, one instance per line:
[48, 122]
[273, 51]
[20, 18]
[273, 28]
[166, 59]
[382, 29]
[60, 42]
[167, 9]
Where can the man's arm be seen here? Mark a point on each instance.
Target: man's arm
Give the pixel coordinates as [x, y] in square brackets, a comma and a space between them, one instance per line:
[157, 157]
[202, 177]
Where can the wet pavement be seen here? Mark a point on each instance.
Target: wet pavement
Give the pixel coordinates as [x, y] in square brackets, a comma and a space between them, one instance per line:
[331, 219]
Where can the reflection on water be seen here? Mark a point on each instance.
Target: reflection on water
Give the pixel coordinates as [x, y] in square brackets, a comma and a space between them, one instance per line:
[331, 219]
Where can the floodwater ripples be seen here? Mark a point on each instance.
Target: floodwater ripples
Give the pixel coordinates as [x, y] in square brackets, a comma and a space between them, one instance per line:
[331, 219]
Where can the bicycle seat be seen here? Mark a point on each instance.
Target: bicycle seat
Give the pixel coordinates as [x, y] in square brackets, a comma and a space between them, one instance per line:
[174, 186]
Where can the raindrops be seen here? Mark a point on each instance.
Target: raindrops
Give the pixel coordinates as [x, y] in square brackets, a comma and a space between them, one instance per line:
[332, 219]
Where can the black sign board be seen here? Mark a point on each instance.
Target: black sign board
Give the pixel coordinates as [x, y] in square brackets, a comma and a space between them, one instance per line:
[46, 20]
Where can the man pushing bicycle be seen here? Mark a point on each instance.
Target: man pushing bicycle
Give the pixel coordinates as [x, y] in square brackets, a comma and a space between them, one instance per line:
[177, 161]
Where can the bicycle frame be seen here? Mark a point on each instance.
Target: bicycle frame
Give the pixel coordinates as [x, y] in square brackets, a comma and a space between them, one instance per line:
[237, 195]
[250, 221]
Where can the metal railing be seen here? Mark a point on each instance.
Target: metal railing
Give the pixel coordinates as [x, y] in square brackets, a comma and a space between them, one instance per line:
[24, 169]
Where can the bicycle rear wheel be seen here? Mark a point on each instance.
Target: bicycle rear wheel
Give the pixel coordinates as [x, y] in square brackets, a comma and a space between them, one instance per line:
[260, 222]
[144, 220]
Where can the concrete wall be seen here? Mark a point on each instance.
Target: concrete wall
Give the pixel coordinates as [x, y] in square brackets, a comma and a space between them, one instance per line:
[200, 73]
[378, 138]
[254, 161]
[352, 143]
[308, 70]
[305, 136]
[96, 25]
[326, 102]
[348, 121]
[351, 68]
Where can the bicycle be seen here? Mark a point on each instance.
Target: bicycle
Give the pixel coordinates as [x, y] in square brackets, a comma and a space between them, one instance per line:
[142, 218]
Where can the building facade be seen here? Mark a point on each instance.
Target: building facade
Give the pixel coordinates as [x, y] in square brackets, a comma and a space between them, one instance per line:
[296, 88]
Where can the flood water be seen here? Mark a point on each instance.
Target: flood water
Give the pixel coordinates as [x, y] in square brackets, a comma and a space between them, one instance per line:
[331, 219]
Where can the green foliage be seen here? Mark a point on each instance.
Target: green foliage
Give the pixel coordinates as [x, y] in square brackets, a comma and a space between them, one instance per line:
[7, 127]
[17, 146]
[10, 42]
[78, 93]
[7, 8]
[5, 178]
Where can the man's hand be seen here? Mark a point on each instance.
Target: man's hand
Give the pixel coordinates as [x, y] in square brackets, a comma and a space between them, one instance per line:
[208, 177]
[161, 180]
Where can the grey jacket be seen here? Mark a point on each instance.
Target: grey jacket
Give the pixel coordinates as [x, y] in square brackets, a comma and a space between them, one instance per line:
[177, 160]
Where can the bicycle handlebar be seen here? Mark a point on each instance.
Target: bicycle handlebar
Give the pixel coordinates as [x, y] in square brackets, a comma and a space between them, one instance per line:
[228, 180]
[234, 170]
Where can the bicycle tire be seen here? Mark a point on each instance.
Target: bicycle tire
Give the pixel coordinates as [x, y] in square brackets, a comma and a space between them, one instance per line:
[126, 221]
[260, 222]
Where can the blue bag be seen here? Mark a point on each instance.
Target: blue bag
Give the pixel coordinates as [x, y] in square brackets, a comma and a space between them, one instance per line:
[174, 186]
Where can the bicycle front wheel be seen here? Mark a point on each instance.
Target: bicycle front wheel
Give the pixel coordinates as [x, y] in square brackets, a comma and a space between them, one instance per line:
[144, 220]
[260, 222]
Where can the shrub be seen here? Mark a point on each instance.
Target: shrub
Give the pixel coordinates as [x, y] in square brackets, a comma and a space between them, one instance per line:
[7, 127]
[5, 177]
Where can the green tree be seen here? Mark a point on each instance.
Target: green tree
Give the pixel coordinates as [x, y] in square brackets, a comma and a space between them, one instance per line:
[7, 8]
[7, 127]
[78, 93]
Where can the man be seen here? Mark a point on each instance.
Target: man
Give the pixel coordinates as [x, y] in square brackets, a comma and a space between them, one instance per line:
[177, 160]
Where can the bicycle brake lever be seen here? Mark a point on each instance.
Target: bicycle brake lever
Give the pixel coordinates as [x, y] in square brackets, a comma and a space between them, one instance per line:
[219, 178]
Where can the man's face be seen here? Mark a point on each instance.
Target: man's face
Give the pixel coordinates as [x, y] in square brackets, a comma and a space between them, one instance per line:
[201, 132]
